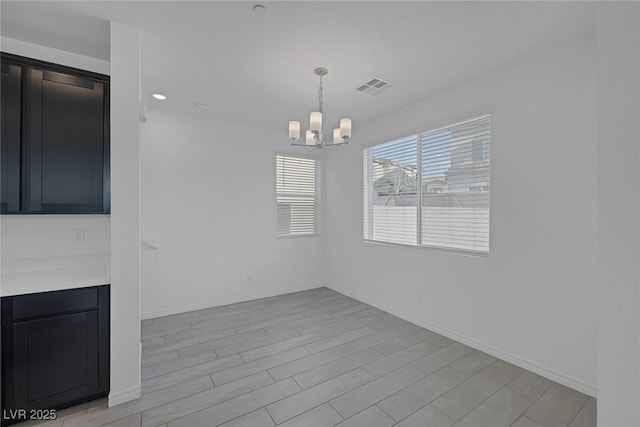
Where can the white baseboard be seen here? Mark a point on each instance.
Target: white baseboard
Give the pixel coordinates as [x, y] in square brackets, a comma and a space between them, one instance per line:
[225, 301]
[118, 397]
[543, 371]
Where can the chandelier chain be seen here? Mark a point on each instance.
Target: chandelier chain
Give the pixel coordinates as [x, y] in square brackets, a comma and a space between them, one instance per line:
[320, 95]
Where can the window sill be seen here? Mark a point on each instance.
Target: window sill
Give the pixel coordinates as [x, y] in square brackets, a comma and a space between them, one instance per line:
[295, 236]
[475, 254]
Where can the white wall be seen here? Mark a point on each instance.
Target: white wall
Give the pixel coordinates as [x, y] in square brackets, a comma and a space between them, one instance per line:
[208, 203]
[532, 301]
[43, 236]
[618, 29]
[125, 215]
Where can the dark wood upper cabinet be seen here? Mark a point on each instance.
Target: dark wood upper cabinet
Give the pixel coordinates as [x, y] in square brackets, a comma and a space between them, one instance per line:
[63, 127]
[11, 136]
[65, 143]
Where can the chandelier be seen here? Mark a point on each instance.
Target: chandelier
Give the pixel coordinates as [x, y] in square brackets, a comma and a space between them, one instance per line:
[313, 137]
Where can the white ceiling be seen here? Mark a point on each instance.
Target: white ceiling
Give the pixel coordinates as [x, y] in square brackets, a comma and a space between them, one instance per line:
[50, 25]
[258, 69]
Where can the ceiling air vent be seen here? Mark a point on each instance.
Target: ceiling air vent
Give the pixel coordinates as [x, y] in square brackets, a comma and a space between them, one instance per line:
[375, 86]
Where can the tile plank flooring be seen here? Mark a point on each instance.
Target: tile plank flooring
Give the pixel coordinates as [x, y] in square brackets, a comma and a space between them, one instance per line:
[318, 358]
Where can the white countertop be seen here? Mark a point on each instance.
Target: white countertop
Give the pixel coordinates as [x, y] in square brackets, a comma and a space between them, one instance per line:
[32, 275]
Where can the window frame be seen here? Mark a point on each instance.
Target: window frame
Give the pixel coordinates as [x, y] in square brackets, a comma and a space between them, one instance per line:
[486, 111]
[316, 197]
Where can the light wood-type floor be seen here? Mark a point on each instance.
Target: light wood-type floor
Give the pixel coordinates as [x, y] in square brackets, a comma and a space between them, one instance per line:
[318, 358]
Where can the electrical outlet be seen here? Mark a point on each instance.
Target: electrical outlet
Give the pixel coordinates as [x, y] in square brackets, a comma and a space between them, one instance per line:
[77, 236]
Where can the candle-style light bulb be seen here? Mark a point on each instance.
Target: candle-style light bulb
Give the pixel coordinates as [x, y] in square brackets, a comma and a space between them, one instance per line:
[315, 121]
[310, 138]
[337, 139]
[345, 128]
[294, 130]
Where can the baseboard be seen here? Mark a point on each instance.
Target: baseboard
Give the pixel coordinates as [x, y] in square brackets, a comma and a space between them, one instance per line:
[543, 371]
[118, 397]
[225, 301]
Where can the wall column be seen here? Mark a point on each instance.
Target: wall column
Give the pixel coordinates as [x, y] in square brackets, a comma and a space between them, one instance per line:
[125, 215]
[618, 64]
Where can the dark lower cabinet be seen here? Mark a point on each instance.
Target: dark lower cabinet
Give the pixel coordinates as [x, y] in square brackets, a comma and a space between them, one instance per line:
[55, 350]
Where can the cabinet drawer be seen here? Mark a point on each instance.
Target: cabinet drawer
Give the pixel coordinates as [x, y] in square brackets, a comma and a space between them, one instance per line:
[49, 303]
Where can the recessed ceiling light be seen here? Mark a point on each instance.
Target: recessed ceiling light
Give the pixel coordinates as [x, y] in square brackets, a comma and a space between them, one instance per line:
[159, 96]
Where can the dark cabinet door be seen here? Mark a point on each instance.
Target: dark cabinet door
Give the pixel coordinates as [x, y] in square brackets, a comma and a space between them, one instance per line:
[55, 360]
[66, 141]
[55, 350]
[10, 142]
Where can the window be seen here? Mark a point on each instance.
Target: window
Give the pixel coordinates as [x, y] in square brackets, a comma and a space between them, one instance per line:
[296, 196]
[430, 189]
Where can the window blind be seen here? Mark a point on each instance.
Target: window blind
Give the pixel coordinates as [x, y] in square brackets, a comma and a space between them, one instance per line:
[391, 191]
[296, 195]
[449, 208]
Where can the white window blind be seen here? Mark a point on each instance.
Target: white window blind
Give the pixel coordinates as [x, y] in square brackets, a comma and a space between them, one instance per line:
[431, 189]
[296, 195]
[392, 211]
